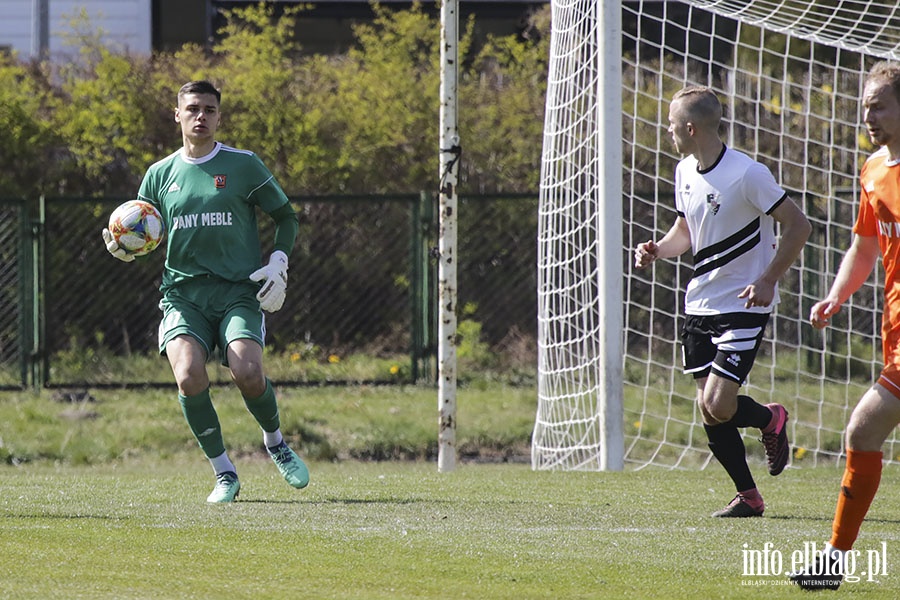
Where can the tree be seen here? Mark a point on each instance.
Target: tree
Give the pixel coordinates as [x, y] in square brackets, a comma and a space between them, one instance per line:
[365, 121]
[502, 111]
[272, 94]
[388, 88]
[27, 139]
[105, 115]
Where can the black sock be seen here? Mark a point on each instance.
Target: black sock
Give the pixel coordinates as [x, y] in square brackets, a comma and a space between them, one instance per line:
[728, 447]
[750, 413]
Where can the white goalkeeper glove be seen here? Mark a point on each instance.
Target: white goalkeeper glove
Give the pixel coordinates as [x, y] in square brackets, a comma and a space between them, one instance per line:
[271, 294]
[113, 248]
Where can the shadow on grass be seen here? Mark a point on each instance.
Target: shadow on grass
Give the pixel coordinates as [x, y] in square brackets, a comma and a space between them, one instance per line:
[349, 501]
[829, 519]
[44, 516]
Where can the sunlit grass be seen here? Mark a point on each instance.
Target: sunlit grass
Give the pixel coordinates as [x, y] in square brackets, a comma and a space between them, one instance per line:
[397, 530]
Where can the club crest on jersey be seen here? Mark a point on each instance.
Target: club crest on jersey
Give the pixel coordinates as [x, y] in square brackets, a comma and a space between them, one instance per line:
[712, 204]
[220, 181]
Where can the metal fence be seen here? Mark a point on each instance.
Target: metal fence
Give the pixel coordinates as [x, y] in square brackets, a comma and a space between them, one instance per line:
[360, 301]
[15, 285]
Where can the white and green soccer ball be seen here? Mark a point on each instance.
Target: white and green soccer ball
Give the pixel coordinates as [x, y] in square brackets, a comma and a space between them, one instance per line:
[137, 227]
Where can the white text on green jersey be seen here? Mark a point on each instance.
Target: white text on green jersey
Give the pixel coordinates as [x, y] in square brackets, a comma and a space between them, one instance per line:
[205, 219]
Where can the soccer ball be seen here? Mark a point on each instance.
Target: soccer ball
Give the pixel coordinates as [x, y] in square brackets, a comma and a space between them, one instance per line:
[137, 227]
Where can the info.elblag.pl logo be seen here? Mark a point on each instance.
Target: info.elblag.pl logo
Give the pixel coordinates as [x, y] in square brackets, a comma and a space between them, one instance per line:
[857, 566]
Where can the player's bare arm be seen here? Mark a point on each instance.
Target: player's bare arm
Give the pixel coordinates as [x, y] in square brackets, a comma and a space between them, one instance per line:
[855, 268]
[676, 242]
[795, 230]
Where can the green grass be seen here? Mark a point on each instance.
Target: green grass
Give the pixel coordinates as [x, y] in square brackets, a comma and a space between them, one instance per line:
[105, 498]
[325, 423]
[299, 364]
[389, 530]
[105, 367]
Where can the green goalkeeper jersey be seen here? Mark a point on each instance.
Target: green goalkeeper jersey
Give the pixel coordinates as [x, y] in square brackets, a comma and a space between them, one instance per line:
[209, 208]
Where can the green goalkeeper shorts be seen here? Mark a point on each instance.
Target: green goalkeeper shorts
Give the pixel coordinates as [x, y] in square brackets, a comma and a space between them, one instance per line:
[214, 312]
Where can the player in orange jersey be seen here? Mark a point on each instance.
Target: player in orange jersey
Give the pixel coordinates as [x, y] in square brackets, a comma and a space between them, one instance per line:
[877, 233]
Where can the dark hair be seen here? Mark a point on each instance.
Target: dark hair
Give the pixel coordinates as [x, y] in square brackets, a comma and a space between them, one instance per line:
[200, 87]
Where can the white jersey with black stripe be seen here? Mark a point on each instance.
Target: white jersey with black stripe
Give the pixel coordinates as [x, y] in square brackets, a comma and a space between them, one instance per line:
[728, 210]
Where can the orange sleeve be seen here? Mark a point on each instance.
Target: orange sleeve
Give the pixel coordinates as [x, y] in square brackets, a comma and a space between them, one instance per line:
[866, 222]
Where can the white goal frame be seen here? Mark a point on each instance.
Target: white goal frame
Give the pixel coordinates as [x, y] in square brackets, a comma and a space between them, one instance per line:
[790, 74]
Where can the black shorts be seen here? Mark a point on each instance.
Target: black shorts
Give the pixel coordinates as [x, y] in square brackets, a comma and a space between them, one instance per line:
[725, 343]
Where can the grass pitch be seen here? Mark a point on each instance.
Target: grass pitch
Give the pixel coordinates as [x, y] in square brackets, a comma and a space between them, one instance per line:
[108, 502]
[393, 530]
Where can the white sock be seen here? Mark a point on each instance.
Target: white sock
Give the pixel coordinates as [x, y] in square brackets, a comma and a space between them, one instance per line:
[839, 555]
[222, 464]
[272, 438]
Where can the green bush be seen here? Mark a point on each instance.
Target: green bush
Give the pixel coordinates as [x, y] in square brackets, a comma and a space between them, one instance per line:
[365, 121]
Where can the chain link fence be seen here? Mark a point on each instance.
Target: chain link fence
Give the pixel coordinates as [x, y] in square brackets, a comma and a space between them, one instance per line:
[13, 281]
[360, 303]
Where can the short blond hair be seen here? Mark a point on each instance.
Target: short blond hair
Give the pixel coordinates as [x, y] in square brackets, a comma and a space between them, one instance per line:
[701, 105]
[886, 72]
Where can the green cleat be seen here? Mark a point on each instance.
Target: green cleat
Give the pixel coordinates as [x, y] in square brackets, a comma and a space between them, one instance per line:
[292, 468]
[227, 488]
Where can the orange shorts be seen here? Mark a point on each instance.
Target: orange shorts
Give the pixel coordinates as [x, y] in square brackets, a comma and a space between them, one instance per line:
[890, 378]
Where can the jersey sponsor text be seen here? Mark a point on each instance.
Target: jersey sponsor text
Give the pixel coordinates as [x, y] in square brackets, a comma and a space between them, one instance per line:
[206, 219]
[889, 229]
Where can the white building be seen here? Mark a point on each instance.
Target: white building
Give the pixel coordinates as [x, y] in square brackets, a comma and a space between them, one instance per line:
[31, 27]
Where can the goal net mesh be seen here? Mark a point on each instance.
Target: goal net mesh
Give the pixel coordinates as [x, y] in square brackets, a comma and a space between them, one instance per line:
[790, 75]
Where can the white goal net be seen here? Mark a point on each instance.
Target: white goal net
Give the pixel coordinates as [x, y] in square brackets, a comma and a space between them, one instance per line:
[790, 74]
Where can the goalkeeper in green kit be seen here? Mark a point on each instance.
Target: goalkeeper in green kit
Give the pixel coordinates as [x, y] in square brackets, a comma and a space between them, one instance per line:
[214, 287]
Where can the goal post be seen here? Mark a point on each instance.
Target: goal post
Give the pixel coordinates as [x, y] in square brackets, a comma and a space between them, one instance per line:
[581, 182]
[447, 243]
[790, 76]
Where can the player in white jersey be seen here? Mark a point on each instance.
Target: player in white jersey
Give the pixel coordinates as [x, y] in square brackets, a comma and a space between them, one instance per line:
[727, 205]
[208, 195]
